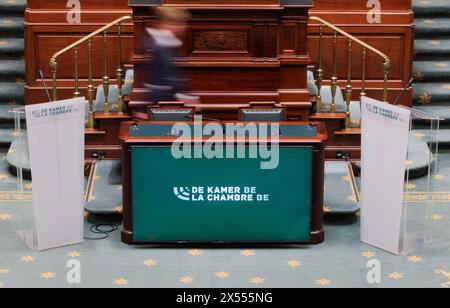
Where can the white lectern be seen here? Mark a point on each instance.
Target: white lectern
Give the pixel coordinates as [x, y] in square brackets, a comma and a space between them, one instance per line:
[53, 147]
[389, 220]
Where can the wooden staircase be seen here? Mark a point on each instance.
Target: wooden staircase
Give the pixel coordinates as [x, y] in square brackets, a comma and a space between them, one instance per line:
[342, 143]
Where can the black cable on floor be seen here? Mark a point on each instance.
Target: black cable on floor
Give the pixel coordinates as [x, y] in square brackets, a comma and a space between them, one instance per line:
[104, 229]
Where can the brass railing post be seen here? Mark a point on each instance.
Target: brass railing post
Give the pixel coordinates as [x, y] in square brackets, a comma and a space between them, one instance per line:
[320, 72]
[54, 68]
[334, 77]
[365, 47]
[90, 88]
[120, 72]
[105, 77]
[76, 93]
[349, 88]
[386, 66]
[363, 79]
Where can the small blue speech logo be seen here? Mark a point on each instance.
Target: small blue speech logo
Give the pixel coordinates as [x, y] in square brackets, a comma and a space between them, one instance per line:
[182, 193]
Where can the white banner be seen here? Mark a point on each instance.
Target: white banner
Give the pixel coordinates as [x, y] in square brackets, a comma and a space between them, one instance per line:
[385, 138]
[56, 144]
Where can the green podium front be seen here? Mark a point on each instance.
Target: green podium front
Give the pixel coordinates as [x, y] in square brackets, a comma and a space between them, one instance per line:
[225, 198]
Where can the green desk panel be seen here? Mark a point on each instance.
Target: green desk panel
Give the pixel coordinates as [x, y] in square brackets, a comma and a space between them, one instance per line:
[239, 201]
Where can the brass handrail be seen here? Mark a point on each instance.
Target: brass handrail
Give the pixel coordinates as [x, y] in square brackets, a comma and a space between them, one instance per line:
[106, 81]
[86, 38]
[354, 39]
[334, 79]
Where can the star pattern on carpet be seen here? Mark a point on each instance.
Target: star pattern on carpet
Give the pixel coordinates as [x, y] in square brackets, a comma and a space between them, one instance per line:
[119, 209]
[257, 280]
[435, 42]
[425, 98]
[150, 263]
[247, 253]
[294, 263]
[415, 259]
[74, 254]
[410, 186]
[120, 282]
[4, 176]
[28, 259]
[186, 280]
[435, 217]
[323, 282]
[446, 86]
[368, 254]
[396, 276]
[419, 136]
[47, 275]
[326, 209]
[222, 275]
[5, 216]
[195, 252]
[419, 75]
[428, 21]
[5, 271]
[439, 177]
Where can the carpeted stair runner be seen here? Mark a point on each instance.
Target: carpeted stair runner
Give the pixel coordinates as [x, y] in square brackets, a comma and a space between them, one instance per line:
[104, 191]
[432, 63]
[341, 196]
[12, 66]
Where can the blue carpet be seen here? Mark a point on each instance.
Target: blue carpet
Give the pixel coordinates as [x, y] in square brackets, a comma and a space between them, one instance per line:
[340, 262]
[340, 195]
[432, 49]
[12, 65]
[105, 195]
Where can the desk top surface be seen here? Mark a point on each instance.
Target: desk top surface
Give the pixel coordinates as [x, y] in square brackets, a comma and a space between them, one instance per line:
[168, 131]
[221, 2]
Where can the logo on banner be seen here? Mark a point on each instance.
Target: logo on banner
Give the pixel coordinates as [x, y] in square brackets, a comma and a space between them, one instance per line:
[182, 193]
[220, 194]
[46, 112]
[386, 113]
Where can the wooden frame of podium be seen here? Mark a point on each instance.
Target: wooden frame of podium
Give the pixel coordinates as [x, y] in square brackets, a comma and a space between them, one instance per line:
[317, 234]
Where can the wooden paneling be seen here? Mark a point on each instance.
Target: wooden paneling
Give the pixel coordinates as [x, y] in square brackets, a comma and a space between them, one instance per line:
[394, 36]
[255, 36]
[252, 53]
[48, 31]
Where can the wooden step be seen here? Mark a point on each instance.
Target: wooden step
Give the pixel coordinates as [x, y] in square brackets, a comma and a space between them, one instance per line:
[351, 131]
[94, 132]
[327, 116]
[112, 116]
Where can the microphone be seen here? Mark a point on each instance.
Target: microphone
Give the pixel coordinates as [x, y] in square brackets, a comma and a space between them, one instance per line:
[45, 85]
[410, 83]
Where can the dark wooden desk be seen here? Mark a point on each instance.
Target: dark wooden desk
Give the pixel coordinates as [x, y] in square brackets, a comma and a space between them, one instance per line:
[140, 217]
[235, 51]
